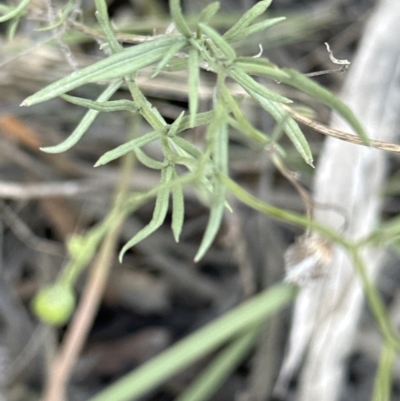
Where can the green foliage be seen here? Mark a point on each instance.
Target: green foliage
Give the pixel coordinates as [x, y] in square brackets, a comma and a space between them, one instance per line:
[202, 46]
[87, 120]
[200, 343]
[14, 13]
[159, 214]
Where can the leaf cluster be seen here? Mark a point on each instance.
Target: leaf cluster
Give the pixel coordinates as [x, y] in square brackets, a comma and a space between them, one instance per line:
[191, 48]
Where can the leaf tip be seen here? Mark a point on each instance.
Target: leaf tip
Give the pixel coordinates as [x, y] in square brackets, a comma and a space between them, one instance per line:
[121, 255]
[100, 162]
[200, 253]
[48, 149]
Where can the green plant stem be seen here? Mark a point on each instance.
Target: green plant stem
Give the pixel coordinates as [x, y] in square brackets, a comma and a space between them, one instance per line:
[371, 293]
[281, 214]
[375, 301]
[149, 113]
[384, 377]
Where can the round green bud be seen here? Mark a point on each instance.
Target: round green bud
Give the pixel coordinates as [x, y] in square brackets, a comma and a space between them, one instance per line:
[54, 305]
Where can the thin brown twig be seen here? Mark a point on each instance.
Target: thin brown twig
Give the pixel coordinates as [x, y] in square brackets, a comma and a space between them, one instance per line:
[24, 233]
[78, 330]
[344, 136]
[76, 335]
[68, 189]
[344, 65]
[291, 176]
[309, 202]
[324, 72]
[101, 183]
[97, 35]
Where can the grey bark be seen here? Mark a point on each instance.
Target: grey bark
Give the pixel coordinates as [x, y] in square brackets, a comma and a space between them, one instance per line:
[326, 312]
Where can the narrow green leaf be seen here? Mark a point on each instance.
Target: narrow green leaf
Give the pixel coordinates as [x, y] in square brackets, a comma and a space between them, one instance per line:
[198, 344]
[148, 112]
[208, 12]
[178, 209]
[260, 66]
[250, 85]
[128, 147]
[114, 66]
[173, 129]
[257, 136]
[177, 47]
[245, 126]
[108, 106]
[105, 25]
[16, 11]
[247, 18]
[220, 153]
[193, 84]
[226, 362]
[160, 211]
[219, 41]
[176, 63]
[177, 16]
[149, 161]
[85, 123]
[190, 163]
[187, 146]
[316, 91]
[252, 29]
[195, 161]
[218, 133]
[201, 119]
[290, 126]
[12, 28]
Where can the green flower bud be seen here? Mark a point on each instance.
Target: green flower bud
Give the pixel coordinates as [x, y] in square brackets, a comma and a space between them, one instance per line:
[54, 305]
